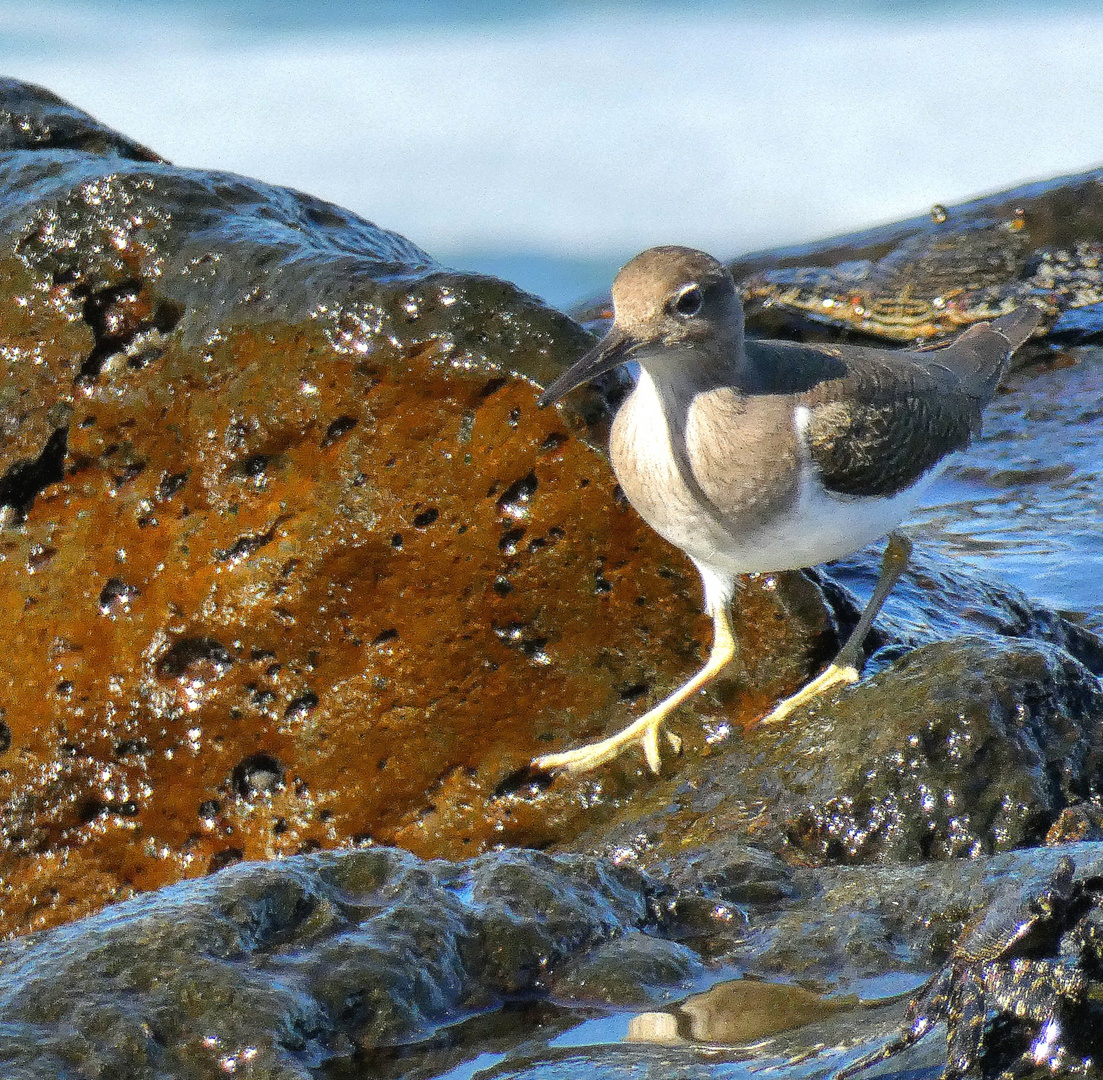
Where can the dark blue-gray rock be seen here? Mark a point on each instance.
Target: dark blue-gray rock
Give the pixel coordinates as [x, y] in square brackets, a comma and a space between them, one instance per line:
[374, 963]
[271, 970]
[976, 724]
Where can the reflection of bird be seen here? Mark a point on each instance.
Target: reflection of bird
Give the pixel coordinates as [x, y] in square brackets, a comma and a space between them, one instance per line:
[763, 456]
[733, 1013]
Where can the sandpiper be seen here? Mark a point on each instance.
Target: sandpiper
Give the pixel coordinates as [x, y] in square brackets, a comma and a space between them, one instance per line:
[760, 456]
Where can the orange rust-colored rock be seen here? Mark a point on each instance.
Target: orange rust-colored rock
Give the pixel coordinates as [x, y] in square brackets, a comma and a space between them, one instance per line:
[290, 557]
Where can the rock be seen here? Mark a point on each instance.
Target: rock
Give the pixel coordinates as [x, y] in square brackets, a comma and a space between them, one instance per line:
[857, 923]
[959, 749]
[1083, 821]
[294, 560]
[31, 118]
[632, 970]
[272, 970]
[937, 273]
[937, 600]
[375, 962]
[976, 726]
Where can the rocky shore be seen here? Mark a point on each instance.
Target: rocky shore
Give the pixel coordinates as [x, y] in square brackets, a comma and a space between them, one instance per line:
[294, 569]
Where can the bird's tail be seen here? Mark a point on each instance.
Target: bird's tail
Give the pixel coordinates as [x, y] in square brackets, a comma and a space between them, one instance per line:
[979, 357]
[1017, 325]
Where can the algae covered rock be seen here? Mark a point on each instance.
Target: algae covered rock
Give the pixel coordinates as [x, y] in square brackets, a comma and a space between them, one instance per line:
[931, 275]
[962, 748]
[289, 557]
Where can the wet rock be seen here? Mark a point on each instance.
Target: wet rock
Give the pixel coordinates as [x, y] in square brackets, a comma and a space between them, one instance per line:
[931, 275]
[630, 971]
[281, 517]
[937, 600]
[967, 749]
[976, 725]
[31, 118]
[375, 963]
[274, 970]
[1084, 821]
[858, 941]
[826, 974]
[734, 871]
[298, 563]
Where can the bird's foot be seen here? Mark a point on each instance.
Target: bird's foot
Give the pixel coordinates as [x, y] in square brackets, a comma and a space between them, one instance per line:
[644, 732]
[832, 676]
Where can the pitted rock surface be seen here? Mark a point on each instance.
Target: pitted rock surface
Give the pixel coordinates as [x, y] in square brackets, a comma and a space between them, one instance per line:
[288, 556]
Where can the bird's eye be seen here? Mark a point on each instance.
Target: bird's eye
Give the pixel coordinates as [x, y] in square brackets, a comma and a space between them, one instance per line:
[688, 301]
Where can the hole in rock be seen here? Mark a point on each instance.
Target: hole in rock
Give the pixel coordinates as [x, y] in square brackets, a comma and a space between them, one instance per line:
[22, 482]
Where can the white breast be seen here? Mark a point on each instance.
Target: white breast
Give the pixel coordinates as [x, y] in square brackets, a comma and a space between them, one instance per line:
[643, 460]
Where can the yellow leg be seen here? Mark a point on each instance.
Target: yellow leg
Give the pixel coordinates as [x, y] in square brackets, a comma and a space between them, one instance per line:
[844, 669]
[645, 730]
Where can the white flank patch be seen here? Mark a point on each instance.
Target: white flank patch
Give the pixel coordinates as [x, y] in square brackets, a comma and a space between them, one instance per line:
[818, 528]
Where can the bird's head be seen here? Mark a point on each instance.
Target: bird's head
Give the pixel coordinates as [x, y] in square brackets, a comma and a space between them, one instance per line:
[672, 306]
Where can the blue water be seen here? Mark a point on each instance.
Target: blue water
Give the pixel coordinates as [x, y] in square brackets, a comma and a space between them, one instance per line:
[1024, 504]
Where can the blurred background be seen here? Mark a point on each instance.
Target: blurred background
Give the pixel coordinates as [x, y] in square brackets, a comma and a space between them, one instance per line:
[548, 140]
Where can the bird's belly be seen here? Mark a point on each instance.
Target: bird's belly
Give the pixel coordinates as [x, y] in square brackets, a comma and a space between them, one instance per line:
[816, 527]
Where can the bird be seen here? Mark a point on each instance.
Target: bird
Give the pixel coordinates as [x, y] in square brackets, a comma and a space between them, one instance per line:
[758, 456]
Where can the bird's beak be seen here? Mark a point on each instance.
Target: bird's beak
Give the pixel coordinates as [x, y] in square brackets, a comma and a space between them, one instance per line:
[613, 349]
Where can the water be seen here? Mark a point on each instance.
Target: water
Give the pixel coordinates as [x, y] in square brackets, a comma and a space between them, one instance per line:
[1024, 504]
[537, 135]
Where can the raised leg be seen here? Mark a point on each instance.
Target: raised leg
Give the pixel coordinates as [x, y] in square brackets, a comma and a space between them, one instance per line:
[844, 669]
[645, 730]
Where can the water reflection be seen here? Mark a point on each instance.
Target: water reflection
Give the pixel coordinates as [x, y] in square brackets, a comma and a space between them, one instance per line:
[734, 1014]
